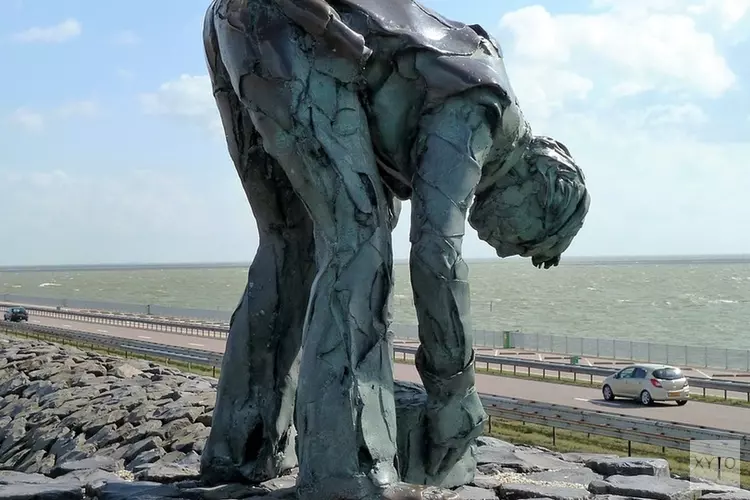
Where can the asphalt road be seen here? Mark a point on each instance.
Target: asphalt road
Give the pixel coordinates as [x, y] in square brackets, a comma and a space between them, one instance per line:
[694, 413]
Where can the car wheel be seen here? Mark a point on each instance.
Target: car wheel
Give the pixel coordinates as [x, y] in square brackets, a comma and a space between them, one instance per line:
[682, 402]
[646, 398]
[607, 393]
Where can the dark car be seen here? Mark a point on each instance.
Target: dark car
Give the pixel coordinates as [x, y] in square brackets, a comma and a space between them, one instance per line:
[16, 314]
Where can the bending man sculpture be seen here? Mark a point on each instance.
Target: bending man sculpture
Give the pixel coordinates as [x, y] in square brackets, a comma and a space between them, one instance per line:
[334, 112]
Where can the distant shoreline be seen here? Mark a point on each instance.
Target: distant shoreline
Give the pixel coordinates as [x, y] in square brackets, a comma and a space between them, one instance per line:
[588, 261]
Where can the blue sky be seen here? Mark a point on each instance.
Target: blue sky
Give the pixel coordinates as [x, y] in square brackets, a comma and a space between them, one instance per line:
[110, 148]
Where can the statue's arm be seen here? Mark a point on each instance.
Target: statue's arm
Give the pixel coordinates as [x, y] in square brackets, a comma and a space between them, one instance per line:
[318, 18]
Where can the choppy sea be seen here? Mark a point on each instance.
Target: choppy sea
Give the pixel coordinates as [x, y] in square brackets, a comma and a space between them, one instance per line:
[705, 303]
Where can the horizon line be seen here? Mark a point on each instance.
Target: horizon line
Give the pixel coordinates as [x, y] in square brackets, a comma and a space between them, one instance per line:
[229, 264]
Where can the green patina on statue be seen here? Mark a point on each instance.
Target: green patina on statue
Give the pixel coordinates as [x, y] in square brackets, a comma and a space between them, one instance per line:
[333, 112]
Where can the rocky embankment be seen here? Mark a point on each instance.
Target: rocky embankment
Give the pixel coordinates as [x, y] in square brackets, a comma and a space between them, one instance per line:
[76, 425]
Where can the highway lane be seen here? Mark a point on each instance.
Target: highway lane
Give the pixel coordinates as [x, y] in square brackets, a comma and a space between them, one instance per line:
[692, 371]
[695, 413]
[173, 339]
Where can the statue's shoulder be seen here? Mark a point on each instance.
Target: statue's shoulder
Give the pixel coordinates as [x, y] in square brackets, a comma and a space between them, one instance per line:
[419, 25]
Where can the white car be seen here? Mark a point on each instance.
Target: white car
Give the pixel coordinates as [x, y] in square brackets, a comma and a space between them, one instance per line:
[647, 383]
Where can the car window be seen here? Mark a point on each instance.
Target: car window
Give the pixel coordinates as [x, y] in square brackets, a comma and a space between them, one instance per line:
[639, 373]
[627, 372]
[668, 373]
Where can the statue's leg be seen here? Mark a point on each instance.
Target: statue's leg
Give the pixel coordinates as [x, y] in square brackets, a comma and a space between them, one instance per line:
[252, 434]
[345, 408]
[449, 152]
[316, 128]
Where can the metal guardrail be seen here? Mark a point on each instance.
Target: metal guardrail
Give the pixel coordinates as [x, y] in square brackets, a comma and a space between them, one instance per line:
[667, 434]
[170, 325]
[627, 350]
[673, 435]
[220, 331]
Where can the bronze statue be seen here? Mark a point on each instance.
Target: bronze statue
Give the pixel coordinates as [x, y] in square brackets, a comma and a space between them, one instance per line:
[333, 112]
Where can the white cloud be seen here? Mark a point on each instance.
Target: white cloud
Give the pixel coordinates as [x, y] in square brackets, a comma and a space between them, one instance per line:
[28, 119]
[641, 46]
[62, 32]
[188, 97]
[35, 120]
[541, 98]
[181, 220]
[82, 108]
[728, 12]
[679, 114]
[126, 37]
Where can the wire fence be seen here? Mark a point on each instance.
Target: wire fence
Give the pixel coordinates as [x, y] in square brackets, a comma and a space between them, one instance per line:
[652, 352]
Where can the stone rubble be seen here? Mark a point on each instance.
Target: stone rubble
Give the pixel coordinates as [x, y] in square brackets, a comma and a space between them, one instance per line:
[77, 425]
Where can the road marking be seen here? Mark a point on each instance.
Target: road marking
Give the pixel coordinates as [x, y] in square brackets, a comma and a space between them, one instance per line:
[102, 331]
[587, 360]
[35, 321]
[704, 374]
[585, 400]
[67, 326]
[143, 337]
[196, 345]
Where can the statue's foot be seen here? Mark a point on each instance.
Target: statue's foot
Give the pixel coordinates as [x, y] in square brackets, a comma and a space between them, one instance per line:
[221, 470]
[405, 491]
[452, 426]
[259, 460]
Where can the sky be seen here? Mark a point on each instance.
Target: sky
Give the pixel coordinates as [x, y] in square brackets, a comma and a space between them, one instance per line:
[111, 149]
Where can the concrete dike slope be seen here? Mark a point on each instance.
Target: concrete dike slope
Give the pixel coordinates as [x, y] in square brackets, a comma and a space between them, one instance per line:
[77, 425]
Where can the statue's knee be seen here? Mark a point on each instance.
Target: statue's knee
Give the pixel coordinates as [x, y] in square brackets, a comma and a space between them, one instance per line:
[438, 255]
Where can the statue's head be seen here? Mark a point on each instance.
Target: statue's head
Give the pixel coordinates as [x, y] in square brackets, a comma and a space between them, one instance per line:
[535, 207]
